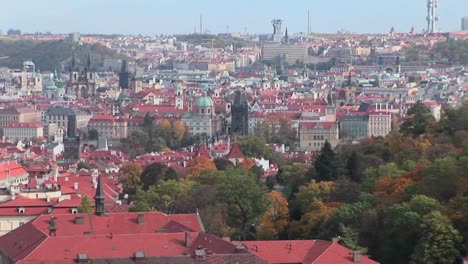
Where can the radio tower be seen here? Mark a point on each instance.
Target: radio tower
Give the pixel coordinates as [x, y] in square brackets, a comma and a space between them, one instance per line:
[432, 17]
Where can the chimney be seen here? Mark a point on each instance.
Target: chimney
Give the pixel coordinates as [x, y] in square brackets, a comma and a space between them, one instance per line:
[75, 185]
[289, 246]
[140, 219]
[356, 257]
[335, 240]
[52, 227]
[79, 220]
[66, 179]
[186, 239]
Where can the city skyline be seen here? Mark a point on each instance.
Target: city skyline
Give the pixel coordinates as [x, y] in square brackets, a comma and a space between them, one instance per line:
[168, 17]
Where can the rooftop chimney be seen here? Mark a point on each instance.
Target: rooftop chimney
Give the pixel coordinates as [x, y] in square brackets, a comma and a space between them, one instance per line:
[52, 226]
[186, 239]
[141, 219]
[75, 185]
[79, 220]
[356, 257]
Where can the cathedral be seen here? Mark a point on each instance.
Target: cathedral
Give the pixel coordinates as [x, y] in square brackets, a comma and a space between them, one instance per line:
[82, 83]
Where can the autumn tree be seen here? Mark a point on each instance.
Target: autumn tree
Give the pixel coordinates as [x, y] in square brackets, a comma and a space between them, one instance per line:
[275, 220]
[86, 206]
[178, 130]
[200, 164]
[129, 175]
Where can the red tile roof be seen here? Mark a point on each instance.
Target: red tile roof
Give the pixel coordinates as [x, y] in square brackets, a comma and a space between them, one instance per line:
[11, 169]
[235, 153]
[302, 251]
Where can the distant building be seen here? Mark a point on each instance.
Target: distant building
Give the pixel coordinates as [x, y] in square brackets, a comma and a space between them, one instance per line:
[380, 124]
[109, 126]
[12, 174]
[9, 115]
[464, 26]
[74, 37]
[289, 53]
[17, 131]
[354, 126]
[313, 134]
[59, 115]
[240, 115]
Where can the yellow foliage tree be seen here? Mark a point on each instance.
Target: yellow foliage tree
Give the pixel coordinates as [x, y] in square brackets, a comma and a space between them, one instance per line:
[178, 130]
[275, 220]
[199, 164]
[165, 124]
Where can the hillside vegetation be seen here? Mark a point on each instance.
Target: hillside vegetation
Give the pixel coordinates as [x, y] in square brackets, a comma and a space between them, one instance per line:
[48, 55]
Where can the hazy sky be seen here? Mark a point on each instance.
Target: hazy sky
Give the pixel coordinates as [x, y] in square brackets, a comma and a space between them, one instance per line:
[181, 16]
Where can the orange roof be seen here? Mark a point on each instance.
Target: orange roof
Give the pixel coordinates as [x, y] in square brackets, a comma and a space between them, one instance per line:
[12, 169]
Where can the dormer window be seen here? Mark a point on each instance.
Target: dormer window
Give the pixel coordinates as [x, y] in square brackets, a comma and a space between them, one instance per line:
[21, 210]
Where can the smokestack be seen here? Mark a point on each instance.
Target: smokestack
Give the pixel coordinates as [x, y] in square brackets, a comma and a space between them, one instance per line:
[308, 22]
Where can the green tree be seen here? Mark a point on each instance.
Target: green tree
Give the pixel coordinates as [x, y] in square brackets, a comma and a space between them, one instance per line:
[166, 196]
[156, 172]
[354, 167]
[439, 242]
[325, 164]
[255, 147]
[350, 239]
[86, 206]
[418, 121]
[246, 200]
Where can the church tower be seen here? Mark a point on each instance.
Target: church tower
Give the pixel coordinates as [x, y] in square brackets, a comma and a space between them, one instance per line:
[240, 115]
[331, 107]
[179, 97]
[82, 84]
[124, 76]
[99, 199]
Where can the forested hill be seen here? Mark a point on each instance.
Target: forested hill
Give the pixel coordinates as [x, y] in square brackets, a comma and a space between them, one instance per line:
[48, 55]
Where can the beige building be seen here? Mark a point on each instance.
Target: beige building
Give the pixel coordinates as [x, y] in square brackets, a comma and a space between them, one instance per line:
[12, 174]
[380, 124]
[313, 134]
[59, 116]
[109, 126]
[18, 115]
[16, 131]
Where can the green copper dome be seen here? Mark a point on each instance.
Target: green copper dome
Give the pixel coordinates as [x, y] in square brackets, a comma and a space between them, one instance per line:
[204, 101]
[203, 87]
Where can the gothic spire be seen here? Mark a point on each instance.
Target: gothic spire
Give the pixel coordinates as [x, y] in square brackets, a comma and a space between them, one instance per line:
[99, 199]
[73, 62]
[286, 36]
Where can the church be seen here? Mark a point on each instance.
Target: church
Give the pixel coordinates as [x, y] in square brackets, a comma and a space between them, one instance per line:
[203, 120]
[82, 83]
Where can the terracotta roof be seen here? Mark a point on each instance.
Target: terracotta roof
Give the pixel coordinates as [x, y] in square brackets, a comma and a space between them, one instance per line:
[302, 251]
[11, 169]
[202, 152]
[235, 152]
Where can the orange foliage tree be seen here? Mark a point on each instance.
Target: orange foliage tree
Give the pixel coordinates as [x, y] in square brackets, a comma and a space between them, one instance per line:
[200, 164]
[275, 220]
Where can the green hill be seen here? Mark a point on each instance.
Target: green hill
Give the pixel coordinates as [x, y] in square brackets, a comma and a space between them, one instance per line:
[48, 55]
